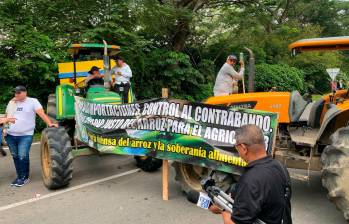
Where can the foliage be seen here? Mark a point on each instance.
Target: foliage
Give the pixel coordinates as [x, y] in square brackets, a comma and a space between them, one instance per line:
[173, 70]
[314, 66]
[283, 77]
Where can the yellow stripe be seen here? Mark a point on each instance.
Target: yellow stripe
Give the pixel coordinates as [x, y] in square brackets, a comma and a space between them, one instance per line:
[60, 101]
[81, 66]
[107, 98]
[129, 96]
[67, 81]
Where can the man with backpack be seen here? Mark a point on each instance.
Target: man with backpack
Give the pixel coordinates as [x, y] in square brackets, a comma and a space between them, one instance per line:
[263, 192]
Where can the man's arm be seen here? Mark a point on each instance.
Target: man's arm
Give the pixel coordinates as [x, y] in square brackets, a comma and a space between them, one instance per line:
[4, 120]
[242, 68]
[234, 74]
[227, 218]
[88, 78]
[45, 118]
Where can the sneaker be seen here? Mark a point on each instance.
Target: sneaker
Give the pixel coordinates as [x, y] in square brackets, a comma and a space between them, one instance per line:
[14, 182]
[26, 180]
[22, 182]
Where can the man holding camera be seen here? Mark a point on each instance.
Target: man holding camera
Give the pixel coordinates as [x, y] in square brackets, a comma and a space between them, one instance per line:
[264, 191]
[227, 77]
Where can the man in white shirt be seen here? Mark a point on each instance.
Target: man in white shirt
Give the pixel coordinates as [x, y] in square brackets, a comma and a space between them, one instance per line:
[123, 73]
[19, 135]
[227, 77]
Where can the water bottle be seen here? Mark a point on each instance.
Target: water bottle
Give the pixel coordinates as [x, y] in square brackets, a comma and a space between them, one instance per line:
[241, 57]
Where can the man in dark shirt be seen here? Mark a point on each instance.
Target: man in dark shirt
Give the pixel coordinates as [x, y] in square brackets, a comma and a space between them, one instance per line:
[261, 191]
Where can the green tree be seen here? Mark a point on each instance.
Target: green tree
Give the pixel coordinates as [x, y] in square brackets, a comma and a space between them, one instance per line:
[283, 77]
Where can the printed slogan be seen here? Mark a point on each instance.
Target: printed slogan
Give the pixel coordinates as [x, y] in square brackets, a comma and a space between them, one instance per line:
[197, 133]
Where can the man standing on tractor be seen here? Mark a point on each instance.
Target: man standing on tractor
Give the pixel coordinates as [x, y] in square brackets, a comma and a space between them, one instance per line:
[123, 73]
[227, 77]
[19, 135]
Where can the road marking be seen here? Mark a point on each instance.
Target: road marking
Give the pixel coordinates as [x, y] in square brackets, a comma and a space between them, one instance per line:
[31, 200]
[35, 143]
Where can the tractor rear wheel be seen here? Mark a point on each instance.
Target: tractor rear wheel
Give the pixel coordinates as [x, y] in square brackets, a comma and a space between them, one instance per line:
[56, 158]
[190, 177]
[335, 170]
[147, 163]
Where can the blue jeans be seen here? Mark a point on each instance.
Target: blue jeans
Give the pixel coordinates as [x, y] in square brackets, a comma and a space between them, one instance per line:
[19, 147]
[0, 136]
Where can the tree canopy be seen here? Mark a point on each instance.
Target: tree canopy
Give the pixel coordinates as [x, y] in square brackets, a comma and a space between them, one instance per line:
[180, 44]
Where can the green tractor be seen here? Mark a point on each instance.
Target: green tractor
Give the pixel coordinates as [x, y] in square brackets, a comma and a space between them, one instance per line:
[59, 146]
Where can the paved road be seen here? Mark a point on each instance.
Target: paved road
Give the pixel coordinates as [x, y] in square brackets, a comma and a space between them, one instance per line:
[134, 198]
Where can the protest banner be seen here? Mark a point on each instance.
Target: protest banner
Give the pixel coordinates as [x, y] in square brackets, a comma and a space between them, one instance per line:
[172, 129]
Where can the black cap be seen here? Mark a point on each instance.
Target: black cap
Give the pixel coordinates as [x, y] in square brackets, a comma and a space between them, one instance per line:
[19, 89]
[116, 58]
[94, 68]
[232, 57]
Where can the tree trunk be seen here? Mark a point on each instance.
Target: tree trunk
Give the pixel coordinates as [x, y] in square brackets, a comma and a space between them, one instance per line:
[181, 34]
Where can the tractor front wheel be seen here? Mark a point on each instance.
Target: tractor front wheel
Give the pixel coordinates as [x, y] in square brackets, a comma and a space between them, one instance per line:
[56, 158]
[190, 177]
[335, 170]
[147, 163]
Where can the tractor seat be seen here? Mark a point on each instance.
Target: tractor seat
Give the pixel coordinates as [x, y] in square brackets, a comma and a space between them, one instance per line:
[306, 113]
[315, 113]
[297, 106]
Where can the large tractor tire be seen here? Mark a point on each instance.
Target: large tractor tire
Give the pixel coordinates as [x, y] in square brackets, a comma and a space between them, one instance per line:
[51, 106]
[335, 170]
[147, 163]
[56, 158]
[190, 177]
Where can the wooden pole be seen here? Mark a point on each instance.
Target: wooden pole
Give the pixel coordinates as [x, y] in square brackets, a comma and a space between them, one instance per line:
[165, 168]
[243, 84]
[243, 75]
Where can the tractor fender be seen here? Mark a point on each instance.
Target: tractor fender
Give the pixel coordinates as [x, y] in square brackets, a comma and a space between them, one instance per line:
[65, 102]
[335, 118]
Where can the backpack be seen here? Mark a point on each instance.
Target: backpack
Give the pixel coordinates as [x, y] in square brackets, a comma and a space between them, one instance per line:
[286, 219]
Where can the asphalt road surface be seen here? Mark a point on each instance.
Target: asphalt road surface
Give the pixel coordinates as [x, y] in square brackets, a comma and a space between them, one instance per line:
[110, 189]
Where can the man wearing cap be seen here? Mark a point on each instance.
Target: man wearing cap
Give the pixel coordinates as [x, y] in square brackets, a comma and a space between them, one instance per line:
[227, 77]
[19, 135]
[94, 77]
[123, 73]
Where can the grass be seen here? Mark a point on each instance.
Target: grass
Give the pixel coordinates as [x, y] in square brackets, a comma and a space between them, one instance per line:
[316, 97]
[37, 137]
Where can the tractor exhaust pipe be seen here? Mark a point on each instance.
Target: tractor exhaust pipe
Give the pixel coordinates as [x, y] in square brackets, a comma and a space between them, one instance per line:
[106, 65]
[251, 70]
